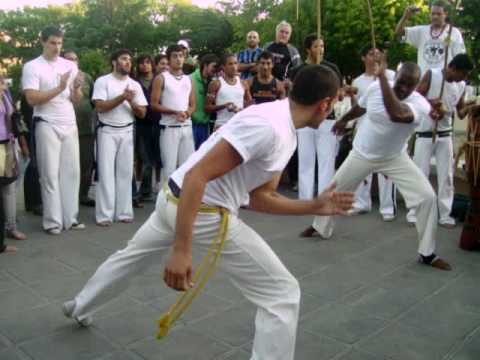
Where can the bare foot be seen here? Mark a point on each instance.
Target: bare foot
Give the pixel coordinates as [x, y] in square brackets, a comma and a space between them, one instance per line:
[16, 235]
[104, 223]
[126, 221]
[10, 249]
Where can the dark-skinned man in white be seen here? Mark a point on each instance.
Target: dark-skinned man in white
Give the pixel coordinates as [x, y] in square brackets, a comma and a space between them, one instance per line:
[241, 161]
[393, 111]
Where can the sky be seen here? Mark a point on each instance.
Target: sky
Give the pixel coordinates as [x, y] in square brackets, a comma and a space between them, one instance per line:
[14, 4]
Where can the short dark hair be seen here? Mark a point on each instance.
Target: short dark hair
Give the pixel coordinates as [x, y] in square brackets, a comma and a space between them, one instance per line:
[310, 39]
[225, 58]
[141, 58]
[440, 3]
[159, 58]
[174, 48]
[207, 59]
[119, 53]
[50, 31]
[267, 55]
[314, 83]
[461, 62]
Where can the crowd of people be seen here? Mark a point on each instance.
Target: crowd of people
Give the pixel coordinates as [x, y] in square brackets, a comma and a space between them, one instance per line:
[213, 135]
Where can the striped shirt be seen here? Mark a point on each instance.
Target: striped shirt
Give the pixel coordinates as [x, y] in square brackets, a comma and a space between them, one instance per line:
[248, 56]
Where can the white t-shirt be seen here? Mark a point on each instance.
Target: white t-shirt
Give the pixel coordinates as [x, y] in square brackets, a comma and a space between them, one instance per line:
[431, 51]
[42, 75]
[108, 87]
[452, 93]
[363, 82]
[265, 138]
[379, 138]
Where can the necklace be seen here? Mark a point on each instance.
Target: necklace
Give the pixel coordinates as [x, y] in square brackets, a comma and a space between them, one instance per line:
[230, 81]
[177, 77]
[436, 35]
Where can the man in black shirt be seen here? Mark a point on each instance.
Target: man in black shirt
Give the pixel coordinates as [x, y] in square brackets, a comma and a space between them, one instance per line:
[285, 55]
[264, 87]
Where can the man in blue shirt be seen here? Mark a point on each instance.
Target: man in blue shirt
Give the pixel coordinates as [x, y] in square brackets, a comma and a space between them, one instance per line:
[247, 58]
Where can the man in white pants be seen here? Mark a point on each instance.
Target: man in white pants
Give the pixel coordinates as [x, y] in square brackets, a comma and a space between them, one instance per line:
[243, 159]
[118, 99]
[173, 96]
[380, 146]
[453, 95]
[229, 94]
[51, 83]
[386, 188]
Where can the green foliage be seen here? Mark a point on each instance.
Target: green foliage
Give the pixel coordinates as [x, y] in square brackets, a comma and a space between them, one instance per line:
[94, 28]
[94, 63]
[468, 21]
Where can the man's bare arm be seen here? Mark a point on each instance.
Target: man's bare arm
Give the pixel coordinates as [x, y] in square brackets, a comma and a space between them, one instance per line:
[106, 105]
[396, 110]
[37, 97]
[221, 159]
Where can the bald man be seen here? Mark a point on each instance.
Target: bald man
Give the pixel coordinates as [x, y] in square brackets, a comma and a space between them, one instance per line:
[247, 58]
[393, 111]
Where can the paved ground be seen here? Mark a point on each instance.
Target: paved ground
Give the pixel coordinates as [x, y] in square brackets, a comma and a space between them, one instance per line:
[364, 298]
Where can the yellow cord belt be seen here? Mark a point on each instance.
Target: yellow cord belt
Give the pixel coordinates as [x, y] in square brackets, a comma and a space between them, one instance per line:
[203, 272]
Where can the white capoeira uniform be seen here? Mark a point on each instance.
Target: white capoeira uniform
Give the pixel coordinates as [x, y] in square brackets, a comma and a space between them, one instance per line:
[176, 138]
[56, 138]
[386, 189]
[380, 146]
[115, 149]
[442, 150]
[431, 50]
[320, 145]
[228, 93]
[264, 136]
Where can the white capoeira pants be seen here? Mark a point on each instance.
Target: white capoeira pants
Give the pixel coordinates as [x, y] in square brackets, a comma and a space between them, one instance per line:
[176, 145]
[320, 144]
[386, 195]
[58, 158]
[442, 150]
[411, 182]
[251, 264]
[115, 170]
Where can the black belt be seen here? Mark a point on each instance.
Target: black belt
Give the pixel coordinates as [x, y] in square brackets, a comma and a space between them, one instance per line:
[174, 188]
[6, 141]
[101, 124]
[162, 127]
[429, 134]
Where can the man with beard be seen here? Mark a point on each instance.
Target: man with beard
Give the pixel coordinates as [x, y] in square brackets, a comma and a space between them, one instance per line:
[430, 40]
[393, 113]
[248, 58]
[118, 100]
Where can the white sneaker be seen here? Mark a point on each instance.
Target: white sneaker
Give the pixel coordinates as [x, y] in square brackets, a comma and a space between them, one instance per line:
[388, 217]
[77, 226]
[53, 231]
[68, 307]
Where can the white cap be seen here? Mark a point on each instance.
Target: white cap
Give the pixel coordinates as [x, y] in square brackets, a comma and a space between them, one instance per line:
[183, 43]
